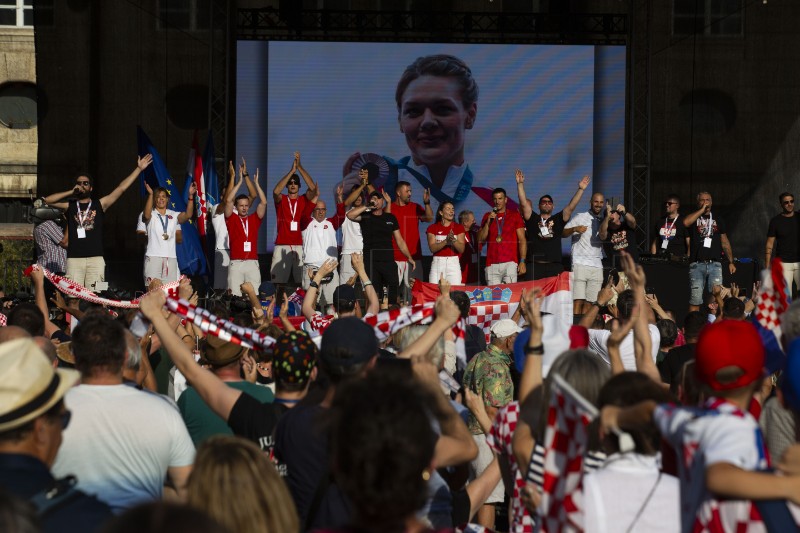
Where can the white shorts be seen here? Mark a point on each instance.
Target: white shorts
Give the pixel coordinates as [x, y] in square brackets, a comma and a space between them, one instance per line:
[449, 266]
[586, 282]
[346, 270]
[481, 463]
[501, 273]
[241, 270]
[222, 260]
[287, 259]
[163, 268]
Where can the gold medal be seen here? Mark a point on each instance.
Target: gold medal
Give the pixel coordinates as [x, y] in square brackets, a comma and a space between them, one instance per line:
[165, 236]
[499, 238]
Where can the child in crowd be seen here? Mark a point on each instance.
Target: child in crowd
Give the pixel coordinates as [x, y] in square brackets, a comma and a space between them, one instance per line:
[722, 454]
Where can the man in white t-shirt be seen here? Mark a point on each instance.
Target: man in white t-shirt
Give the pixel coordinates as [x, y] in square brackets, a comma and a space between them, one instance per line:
[588, 231]
[122, 442]
[352, 241]
[319, 244]
[163, 234]
[598, 338]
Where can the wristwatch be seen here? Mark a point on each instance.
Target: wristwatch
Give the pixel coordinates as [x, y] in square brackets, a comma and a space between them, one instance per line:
[314, 284]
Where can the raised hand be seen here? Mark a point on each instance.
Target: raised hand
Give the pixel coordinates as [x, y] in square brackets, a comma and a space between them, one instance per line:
[144, 162]
[148, 188]
[243, 167]
[363, 175]
[192, 190]
[231, 171]
[447, 310]
[386, 197]
[357, 262]
[152, 303]
[426, 196]
[444, 285]
[584, 183]
[519, 176]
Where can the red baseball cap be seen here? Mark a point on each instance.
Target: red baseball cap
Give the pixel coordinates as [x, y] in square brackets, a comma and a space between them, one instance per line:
[729, 343]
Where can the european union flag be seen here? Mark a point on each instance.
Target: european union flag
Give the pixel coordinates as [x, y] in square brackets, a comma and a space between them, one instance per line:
[191, 259]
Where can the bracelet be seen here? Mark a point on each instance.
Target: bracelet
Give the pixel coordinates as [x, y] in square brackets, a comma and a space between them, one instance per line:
[314, 284]
[598, 304]
[245, 174]
[534, 350]
[365, 284]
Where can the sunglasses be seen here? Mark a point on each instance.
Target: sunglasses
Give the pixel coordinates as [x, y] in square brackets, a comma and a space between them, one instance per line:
[787, 202]
[670, 203]
[82, 183]
[546, 202]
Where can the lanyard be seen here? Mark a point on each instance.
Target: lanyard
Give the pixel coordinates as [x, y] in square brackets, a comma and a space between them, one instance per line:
[463, 189]
[500, 224]
[293, 208]
[245, 226]
[83, 215]
[164, 221]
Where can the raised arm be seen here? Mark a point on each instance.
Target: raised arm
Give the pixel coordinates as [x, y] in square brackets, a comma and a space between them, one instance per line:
[534, 350]
[230, 194]
[373, 304]
[53, 200]
[220, 207]
[426, 200]
[692, 217]
[311, 192]
[641, 331]
[310, 299]
[526, 210]
[214, 392]
[603, 297]
[276, 192]
[447, 314]
[141, 164]
[261, 209]
[522, 249]
[252, 193]
[147, 213]
[603, 231]
[355, 213]
[629, 218]
[189, 213]
[582, 185]
[363, 175]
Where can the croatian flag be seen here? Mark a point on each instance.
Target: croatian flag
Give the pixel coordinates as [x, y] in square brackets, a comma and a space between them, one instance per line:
[565, 440]
[773, 300]
[194, 173]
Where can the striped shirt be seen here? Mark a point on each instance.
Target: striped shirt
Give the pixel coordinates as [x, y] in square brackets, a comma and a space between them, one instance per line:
[49, 254]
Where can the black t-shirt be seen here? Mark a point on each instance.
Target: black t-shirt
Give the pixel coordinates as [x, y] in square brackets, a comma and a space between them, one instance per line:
[784, 229]
[675, 233]
[545, 247]
[672, 365]
[92, 215]
[623, 238]
[376, 231]
[256, 421]
[706, 226]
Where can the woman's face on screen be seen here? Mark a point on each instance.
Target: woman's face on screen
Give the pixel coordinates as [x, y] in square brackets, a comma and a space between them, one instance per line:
[433, 119]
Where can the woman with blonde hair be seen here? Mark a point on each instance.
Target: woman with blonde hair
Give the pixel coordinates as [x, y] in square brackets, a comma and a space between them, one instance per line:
[234, 482]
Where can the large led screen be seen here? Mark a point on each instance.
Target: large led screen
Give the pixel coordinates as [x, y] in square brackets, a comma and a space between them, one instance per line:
[556, 112]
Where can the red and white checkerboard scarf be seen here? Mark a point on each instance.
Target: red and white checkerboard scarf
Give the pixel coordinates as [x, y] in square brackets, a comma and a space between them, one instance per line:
[76, 290]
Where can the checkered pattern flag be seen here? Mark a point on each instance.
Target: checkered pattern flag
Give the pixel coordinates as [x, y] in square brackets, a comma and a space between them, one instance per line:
[773, 300]
[565, 442]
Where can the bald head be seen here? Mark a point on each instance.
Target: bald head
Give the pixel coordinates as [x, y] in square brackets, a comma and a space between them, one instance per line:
[9, 333]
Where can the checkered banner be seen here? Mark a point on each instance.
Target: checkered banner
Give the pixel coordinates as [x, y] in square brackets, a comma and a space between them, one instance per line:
[493, 302]
[565, 441]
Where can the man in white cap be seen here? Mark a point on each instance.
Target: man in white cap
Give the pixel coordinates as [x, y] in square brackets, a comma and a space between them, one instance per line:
[32, 418]
[488, 375]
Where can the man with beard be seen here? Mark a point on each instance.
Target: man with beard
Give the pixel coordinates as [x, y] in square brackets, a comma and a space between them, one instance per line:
[85, 263]
[588, 231]
[544, 229]
[782, 241]
[671, 236]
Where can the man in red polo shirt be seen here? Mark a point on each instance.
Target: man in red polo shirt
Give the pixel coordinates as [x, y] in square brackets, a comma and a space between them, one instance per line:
[409, 214]
[290, 210]
[504, 234]
[243, 235]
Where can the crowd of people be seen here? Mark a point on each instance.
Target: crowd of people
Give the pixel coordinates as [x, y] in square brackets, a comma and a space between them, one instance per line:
[140, 419]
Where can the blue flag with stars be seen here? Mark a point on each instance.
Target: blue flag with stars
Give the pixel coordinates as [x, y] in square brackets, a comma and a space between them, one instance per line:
[191, 259]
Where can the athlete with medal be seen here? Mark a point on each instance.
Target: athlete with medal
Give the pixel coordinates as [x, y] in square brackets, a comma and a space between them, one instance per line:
[163, 234]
